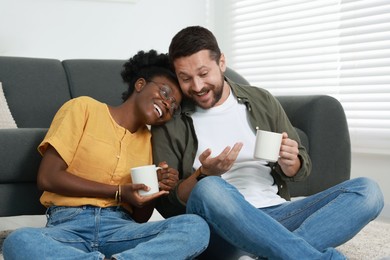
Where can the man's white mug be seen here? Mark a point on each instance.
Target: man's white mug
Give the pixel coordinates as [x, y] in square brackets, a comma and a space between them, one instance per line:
[267, 145]
[146, 175]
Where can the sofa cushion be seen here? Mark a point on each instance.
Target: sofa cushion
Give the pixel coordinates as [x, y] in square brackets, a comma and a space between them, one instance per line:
[323, 121]
[6, 119]
[19, 166]
[36, 88]
[19, 156]
[20, 199]
[100, 79]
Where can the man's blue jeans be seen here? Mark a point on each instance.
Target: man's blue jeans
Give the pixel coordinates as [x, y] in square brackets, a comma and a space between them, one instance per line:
[95, 233]
[308, 228]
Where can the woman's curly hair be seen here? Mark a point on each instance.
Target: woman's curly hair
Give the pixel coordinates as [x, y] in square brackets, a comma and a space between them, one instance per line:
[146, 65]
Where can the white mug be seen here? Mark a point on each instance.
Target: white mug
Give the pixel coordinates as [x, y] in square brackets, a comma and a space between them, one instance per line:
[146, 175]
[267, 145]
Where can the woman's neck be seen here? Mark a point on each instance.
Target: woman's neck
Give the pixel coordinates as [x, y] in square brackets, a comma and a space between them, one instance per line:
[125, 116]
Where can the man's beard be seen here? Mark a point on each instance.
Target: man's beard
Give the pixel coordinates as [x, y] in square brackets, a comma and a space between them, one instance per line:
[217, 95]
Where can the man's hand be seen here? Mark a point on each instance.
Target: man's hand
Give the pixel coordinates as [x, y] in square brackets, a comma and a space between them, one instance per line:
[288, 160]
[220, 164]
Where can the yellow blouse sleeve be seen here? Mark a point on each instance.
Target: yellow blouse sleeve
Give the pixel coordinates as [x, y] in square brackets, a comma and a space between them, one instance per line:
[66, 129]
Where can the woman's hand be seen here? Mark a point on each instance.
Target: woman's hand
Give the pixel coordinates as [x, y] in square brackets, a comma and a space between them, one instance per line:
[130, 195]
[167, 177]
[143, 206]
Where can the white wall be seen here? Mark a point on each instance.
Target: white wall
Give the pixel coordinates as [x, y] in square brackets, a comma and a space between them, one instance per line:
[376, 167]
[109, 29]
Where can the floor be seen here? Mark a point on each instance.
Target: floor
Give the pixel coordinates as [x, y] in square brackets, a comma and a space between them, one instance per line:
[7, 223]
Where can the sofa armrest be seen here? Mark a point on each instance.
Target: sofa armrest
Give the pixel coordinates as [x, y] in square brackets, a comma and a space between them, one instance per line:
[19, 160]
[322, 119]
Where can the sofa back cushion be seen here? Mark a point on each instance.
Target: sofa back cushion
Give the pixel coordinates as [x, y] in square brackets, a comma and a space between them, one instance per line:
[323, 121]
[100, 79]
[36, 88]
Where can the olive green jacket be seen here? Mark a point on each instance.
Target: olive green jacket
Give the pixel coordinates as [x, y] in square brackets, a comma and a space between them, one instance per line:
[177, 144]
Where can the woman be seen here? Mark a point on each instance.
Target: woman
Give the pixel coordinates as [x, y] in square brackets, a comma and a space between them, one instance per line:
[94, 211]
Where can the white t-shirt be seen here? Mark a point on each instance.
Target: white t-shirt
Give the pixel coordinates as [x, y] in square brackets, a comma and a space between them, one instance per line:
[226, 125]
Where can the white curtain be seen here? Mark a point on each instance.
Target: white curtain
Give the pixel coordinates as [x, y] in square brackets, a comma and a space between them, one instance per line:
[335, 47]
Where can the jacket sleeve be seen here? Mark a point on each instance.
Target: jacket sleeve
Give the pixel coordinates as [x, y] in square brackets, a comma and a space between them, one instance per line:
[268, 114]
[169, 144]
[283, 124]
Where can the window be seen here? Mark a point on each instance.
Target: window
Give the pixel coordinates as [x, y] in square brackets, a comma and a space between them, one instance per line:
[335, 47]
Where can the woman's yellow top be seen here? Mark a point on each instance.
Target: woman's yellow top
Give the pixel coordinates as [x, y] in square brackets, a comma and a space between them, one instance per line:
[94, 147]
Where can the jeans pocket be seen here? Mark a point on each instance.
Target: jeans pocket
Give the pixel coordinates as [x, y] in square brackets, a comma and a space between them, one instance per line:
[124, 214]
[59, 215]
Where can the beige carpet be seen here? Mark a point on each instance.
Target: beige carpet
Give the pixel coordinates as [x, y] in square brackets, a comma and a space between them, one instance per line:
[372, 243]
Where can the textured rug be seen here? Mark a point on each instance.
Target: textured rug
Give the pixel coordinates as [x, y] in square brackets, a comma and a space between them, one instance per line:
[372, 243]
[3, 235]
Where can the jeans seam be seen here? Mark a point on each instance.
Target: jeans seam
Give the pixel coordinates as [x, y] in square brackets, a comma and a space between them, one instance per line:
[300, 210]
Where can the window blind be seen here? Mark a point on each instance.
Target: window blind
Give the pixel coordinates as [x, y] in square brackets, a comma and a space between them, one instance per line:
[335, 47]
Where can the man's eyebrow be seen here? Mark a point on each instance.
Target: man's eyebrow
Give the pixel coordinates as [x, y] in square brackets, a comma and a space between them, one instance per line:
[197, 70]
[203, 67]
[183, 74]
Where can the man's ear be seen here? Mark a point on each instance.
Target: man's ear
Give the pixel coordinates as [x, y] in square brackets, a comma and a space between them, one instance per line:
[139, 84]
[222, 63]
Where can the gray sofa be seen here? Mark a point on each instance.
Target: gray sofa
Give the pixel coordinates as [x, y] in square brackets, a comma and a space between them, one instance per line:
[35, 88]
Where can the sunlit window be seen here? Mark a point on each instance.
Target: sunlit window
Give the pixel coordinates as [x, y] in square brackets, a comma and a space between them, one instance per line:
[340, 48]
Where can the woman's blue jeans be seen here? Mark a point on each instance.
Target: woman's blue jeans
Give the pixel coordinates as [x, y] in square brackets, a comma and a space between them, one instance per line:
[97, 233]
[307, 228]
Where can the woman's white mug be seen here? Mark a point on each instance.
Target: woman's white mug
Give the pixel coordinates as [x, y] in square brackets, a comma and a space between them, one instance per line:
[267, 146]
[146, 175]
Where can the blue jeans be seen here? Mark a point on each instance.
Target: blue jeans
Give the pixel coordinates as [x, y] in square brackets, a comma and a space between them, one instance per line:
[97, 233]
[308, 228]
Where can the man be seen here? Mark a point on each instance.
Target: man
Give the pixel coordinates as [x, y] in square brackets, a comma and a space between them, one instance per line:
[246, 201]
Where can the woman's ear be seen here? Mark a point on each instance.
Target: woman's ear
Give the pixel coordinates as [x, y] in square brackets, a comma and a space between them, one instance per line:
[139, 84]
